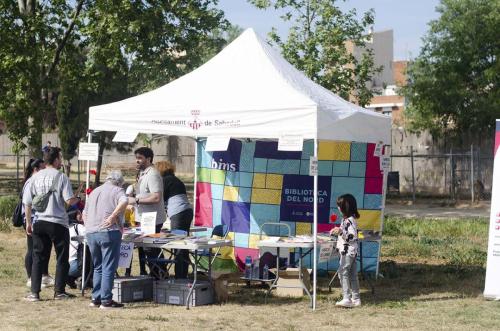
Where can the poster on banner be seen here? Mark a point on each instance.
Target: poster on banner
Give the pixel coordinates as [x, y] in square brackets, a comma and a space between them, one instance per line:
[125, 136]
[126, 252]
[378, 149]
[326, 252]
[385, 163]
[217, 144]
[88, 151]
[290, 143]
[492, 285]
[148, 222]
[313, 166]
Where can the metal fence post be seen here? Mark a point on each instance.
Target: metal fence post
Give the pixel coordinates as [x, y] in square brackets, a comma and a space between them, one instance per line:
[472, 172]
[78, 172]
[452, 176]
[412, 174]
[17, 173]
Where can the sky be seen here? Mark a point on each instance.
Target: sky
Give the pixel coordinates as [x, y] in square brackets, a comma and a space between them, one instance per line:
[407, 18]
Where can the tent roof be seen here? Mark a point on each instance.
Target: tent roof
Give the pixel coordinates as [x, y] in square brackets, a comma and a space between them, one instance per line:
[247, 90]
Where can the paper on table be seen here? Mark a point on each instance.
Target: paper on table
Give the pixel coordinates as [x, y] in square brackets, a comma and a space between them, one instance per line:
[148, 222]
[271, 240]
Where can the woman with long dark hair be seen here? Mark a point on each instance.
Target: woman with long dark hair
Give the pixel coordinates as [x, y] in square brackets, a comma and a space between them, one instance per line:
[32, 167]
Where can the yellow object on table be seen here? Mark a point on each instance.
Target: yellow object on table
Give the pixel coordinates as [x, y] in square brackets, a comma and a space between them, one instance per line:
[129, 217]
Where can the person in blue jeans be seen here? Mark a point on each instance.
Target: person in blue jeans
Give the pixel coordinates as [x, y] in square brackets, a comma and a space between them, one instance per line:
[103, 217]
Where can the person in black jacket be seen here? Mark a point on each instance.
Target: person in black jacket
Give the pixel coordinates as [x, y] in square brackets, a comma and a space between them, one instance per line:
[179, 210]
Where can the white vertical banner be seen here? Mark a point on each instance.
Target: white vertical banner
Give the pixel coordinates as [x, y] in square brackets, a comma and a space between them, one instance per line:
[492, 282]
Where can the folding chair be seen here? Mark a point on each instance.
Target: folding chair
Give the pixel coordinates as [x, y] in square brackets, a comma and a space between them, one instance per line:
[221, 231]
[159, 267]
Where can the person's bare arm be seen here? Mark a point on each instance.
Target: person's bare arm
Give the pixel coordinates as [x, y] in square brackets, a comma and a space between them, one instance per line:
[150, 199]
[27, 215]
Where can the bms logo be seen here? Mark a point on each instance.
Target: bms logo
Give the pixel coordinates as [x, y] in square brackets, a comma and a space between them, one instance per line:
[223, 165]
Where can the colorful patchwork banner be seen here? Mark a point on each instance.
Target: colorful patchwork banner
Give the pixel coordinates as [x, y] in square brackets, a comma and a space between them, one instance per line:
[253, 183]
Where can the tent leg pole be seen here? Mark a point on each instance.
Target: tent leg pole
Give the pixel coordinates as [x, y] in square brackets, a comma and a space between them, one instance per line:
[315, 228]
[195, 202]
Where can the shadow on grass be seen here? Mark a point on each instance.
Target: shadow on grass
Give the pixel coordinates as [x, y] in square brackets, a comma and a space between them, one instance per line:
[423, 282]
[402, 284]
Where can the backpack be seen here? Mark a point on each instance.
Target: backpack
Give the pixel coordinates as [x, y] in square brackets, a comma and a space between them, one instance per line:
[18, 216]
[40, 201]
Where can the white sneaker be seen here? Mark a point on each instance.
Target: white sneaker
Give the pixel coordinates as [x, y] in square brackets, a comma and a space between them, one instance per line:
[356, 302]
[346, 303]
[47, 281]
[28, 282]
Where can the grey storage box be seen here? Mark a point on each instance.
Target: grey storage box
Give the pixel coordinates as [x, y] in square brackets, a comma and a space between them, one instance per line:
[130, 289]
[175, 292]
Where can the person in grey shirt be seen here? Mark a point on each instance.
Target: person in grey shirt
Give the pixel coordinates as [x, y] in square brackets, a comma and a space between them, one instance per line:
[103, 218]
[51, 225]
[148, 197]
[149, 187]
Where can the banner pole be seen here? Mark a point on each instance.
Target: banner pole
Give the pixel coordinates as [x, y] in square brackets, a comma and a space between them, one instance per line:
[315, 228]
[195, 180]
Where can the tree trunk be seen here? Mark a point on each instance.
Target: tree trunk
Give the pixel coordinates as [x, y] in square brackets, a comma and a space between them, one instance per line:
[102, 140]
[173, 148]
[67, 168]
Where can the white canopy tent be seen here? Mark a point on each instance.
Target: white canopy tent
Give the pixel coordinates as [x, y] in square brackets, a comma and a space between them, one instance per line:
[246, 91]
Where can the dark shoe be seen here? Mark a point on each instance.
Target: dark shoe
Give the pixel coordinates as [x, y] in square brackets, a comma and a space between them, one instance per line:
[63, 296]
[111, 305]
[71, 283]
[32, 297]
[95, 303]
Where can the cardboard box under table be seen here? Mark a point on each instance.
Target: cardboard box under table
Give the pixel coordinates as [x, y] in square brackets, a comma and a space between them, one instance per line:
[290, 283]
[176, 292]
[130, 289]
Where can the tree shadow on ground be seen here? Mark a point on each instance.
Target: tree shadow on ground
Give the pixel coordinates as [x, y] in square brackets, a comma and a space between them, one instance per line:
[422, 282]
[401, 283]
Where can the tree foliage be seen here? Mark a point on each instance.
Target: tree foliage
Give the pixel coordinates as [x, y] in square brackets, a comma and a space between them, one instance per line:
[316, 45]
[57, 58]
[453, 83]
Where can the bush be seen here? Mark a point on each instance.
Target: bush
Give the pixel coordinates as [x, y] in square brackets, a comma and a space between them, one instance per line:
[7, 205]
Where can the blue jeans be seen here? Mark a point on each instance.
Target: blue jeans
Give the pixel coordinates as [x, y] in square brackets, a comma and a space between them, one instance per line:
[74, 271]
[105, 250]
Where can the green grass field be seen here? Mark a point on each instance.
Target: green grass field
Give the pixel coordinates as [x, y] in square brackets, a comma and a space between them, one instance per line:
[433, 280]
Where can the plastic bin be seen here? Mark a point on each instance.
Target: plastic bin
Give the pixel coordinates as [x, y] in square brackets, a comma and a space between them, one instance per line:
[130, 289]
[175, 292]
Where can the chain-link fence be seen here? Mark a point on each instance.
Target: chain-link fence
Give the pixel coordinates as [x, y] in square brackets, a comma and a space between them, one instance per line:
[458, 174]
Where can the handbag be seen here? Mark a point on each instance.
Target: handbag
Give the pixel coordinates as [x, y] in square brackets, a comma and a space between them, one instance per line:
[40, 201]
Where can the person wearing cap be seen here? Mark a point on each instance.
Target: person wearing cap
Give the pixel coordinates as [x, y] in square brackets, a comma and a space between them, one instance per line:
[103, 218]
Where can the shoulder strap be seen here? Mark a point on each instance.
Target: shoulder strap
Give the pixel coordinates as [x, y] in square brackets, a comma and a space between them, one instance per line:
[55, 182]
